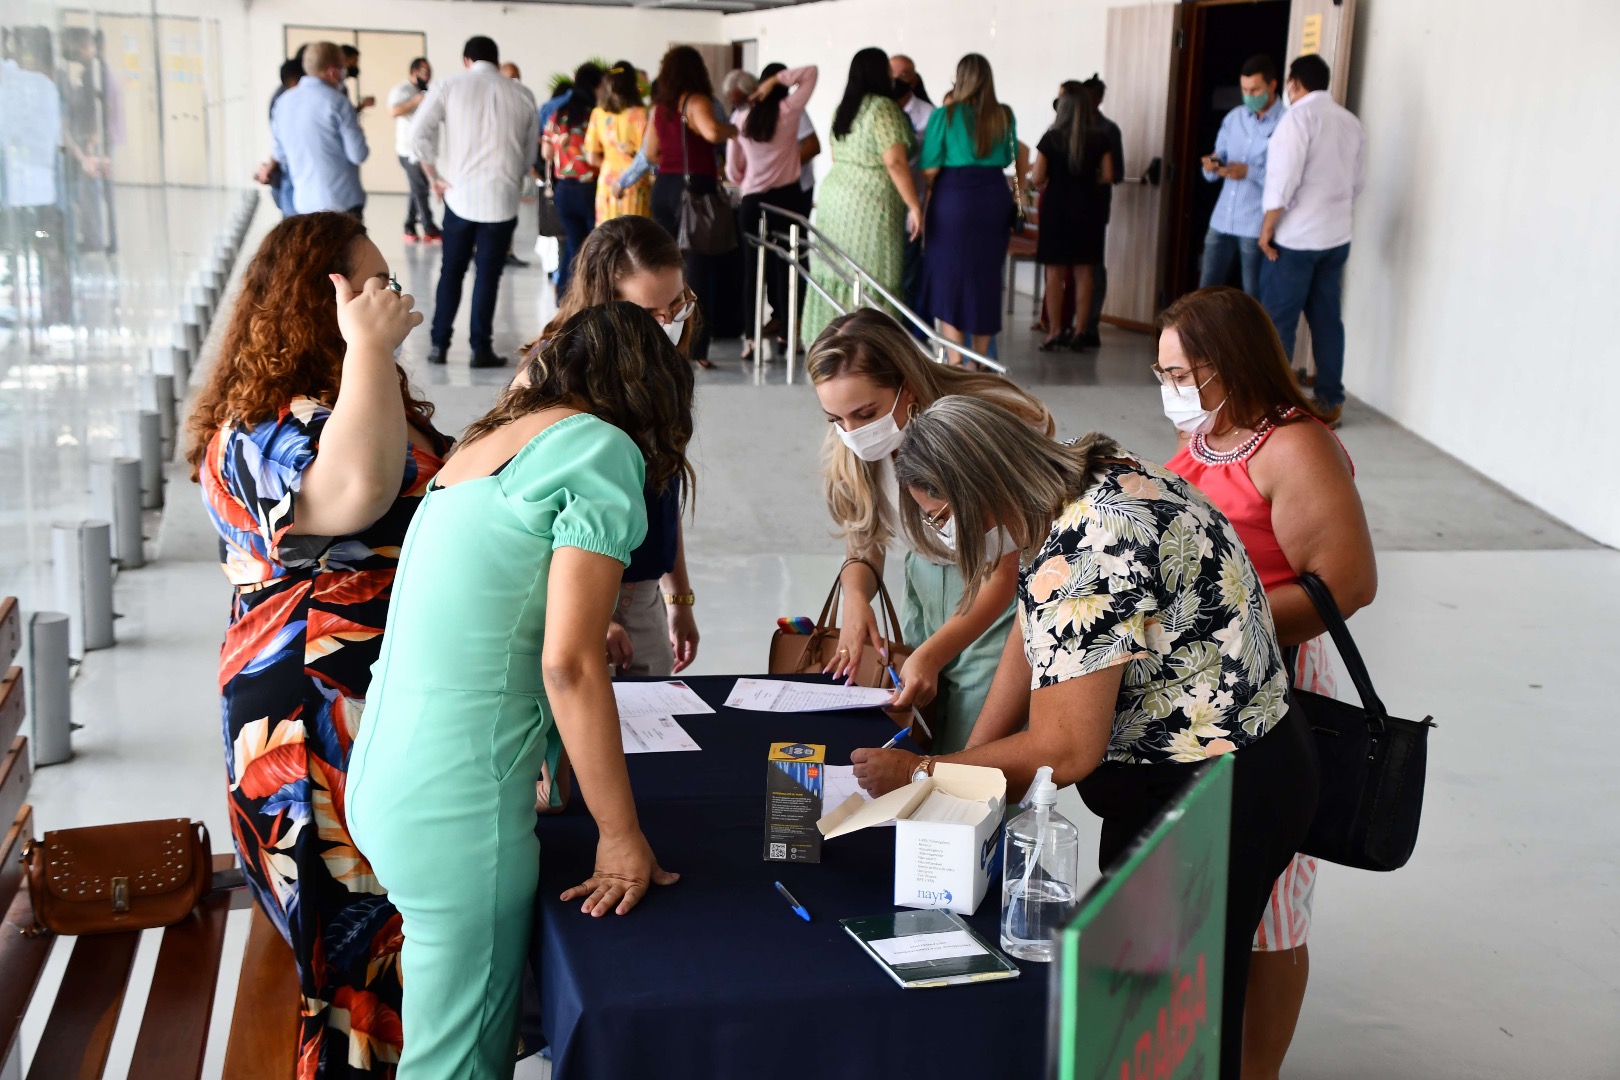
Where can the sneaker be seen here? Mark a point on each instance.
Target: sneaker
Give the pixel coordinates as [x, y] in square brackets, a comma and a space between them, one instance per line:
[433, 238]
[486, 358]
[1331, 416]
[436, 354]
[412, 238]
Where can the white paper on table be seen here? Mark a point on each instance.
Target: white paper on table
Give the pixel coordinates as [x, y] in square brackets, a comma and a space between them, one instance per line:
[919, 948]
[654, 735]
[942, 806]
[672, 698]
[838, 783]
[771, 695]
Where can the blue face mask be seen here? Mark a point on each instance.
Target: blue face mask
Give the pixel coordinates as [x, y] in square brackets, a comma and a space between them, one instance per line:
[1256, 103]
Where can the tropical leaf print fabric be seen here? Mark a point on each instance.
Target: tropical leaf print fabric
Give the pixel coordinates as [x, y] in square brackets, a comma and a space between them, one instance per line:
[305, 628]
[1143, 571]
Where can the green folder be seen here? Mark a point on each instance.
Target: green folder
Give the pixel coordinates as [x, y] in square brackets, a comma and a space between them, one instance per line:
[921, 949]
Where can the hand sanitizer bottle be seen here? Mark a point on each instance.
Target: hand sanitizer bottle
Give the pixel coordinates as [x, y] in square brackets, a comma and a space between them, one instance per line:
[1040, 874]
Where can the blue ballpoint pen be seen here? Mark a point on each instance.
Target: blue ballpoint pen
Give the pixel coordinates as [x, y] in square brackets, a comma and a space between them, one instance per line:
[798, 908]
[902, 733]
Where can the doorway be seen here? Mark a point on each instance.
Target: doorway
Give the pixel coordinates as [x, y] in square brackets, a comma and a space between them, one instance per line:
[1222, 34]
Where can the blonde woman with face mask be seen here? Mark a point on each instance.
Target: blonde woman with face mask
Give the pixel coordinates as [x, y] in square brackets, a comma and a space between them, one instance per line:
[871, 379]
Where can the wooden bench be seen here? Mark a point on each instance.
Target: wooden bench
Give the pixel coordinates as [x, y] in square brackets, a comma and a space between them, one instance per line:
[83, 1017]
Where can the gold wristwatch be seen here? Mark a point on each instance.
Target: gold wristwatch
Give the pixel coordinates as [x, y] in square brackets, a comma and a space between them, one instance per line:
[683, 599]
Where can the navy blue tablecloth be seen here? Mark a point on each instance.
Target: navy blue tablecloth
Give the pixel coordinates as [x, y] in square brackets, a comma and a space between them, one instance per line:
[715, 977]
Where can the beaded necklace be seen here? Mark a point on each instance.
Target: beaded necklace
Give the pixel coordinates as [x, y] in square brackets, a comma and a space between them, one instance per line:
[1200, 447]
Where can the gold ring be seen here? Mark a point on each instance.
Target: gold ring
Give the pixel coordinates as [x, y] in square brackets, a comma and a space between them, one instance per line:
[843, 652]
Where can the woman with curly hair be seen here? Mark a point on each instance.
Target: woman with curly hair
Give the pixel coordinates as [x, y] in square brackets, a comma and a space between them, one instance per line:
[313, 455]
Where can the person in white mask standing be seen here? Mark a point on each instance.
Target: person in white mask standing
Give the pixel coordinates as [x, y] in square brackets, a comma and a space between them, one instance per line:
[871, 378]
[1262, 453]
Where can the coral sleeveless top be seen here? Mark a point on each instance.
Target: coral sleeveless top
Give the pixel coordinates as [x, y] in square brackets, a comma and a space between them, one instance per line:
[1223, 476]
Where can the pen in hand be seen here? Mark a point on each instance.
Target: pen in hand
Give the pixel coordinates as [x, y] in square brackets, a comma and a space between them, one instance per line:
[798, 908]
[892, 743]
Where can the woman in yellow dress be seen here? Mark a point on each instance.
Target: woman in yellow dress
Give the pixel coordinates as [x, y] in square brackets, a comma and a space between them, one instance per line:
[611, 143]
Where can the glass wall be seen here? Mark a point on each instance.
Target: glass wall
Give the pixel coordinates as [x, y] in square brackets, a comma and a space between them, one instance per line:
[120, 125]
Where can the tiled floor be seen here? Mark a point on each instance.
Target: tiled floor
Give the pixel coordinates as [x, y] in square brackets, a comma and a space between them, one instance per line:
[1491, 956]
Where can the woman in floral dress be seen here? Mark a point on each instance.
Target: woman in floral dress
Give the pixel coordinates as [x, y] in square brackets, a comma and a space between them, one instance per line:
[867, 205]
[612, 141]
[312, 454]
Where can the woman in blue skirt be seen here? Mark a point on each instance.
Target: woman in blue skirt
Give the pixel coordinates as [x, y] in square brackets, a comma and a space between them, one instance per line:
[966, 150]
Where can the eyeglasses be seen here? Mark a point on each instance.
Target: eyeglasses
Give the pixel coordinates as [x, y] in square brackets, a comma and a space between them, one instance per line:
[679, 313]
[1174, 378]
[936, 521]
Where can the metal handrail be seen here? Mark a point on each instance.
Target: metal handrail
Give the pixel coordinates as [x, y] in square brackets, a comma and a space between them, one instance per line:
[805, 239]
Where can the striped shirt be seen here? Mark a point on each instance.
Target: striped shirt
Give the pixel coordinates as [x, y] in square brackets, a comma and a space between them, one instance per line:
[491, 138]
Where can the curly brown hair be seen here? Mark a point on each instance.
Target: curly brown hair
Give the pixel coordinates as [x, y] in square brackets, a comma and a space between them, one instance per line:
[283, 340]
[614, 362]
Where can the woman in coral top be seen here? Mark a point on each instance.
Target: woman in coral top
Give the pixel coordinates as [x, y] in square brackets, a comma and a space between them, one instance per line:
[1259, 450]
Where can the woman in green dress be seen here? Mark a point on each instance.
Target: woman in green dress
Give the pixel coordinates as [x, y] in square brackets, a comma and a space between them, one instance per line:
[867, 205]
[506, 582]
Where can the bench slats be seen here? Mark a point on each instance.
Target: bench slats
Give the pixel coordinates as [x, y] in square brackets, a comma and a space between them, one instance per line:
[14, 777]
[79, 1031]
[264, 1024]
[11, 871]
[21, 959]
[11, 704]
[10, 634]
[174, 1031]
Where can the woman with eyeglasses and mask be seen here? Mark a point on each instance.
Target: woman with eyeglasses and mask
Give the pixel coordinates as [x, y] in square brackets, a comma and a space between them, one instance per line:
[1143, 647]
[871, 379]
[506, 581]
[653, 631]
[1259, 449]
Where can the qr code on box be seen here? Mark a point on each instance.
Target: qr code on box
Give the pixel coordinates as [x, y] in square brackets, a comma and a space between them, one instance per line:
[778, 851]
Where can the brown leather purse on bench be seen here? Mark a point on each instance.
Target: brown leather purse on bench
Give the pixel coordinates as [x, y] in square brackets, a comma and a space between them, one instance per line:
[104, 879]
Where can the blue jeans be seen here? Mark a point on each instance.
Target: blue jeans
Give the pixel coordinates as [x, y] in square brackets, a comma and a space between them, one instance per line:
[282, 193]
[468, 243]
[1312, 283]
[1219, 250]
[576, 205]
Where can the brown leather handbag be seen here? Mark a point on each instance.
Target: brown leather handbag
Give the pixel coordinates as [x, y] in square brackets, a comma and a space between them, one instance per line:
[803, 654]
[135, 875]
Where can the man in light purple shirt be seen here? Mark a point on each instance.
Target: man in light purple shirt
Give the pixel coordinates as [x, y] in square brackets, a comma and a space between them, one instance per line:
[1313, 175]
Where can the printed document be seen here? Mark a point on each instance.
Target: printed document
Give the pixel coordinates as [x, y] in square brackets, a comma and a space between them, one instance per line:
[656, 699]
[920, 948]
[771, 695]
[838, 783]
[654, 735]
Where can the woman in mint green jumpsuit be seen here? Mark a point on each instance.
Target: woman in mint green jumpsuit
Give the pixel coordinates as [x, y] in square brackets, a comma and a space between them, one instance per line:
[510, 563]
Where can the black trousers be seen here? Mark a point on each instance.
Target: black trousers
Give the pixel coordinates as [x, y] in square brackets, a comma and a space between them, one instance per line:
[419, 203]
[1274, 788]
[469, 243]
[700, 269]
[788, 197]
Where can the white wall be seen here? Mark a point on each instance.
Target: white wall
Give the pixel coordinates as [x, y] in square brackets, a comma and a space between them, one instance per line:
[1483, 274]
[541, 39]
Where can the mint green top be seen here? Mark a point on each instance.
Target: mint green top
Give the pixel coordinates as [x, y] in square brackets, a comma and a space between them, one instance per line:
[948, 141]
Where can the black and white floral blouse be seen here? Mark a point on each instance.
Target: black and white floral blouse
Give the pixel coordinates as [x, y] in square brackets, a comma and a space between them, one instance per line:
[1142, 570]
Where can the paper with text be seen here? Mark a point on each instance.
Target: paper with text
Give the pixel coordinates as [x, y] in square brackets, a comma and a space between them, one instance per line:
[654, 735]
[920, 948]
[770, 695]
[838, 783]
[673, 698]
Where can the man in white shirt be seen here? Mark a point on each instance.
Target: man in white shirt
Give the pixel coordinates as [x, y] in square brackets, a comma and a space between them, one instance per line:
[491, 129]
[1313, 175]
[913, 101]
[403, 101]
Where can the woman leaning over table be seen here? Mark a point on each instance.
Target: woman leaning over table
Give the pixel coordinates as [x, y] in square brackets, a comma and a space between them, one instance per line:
[313, 456]
[1143, 646]
[506, 583]
[1255, 445]
[871, 380]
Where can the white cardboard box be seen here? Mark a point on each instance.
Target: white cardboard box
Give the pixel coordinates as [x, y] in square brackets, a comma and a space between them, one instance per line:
[936, 864]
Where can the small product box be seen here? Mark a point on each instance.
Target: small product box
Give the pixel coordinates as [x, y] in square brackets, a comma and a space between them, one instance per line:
[947, 830]
[794, 776]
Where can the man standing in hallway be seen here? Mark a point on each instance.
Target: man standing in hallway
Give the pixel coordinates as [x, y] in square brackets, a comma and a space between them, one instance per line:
[317, 137]
[1099, 273]
[909, 95]
[491, 132]
[403, 101]
[351, 70]
[1239, 163]
[1313, 176]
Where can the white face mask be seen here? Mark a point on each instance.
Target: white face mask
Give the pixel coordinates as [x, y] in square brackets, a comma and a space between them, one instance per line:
[877, 440]
[673, 331]
[1186, 409]
[997, 542]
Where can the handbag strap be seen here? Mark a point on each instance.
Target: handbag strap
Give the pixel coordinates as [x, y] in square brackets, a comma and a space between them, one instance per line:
[686, 165]
[886, 609]
[1322, 599]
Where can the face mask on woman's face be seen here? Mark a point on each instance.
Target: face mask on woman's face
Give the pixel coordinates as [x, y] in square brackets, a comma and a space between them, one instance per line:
[997, 541]
[673, 331]
[877, 440]
[1185, 408]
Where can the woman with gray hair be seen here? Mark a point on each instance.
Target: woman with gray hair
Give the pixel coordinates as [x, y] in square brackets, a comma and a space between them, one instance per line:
[1143, 646]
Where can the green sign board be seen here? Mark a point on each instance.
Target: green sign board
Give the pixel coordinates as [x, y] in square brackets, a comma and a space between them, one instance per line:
[1136, 992]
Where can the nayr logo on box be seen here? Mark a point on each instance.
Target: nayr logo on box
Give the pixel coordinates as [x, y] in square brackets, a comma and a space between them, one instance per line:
[934, 897]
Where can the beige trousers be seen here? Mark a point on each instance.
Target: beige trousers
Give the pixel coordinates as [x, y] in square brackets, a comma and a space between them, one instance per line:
[641, 613]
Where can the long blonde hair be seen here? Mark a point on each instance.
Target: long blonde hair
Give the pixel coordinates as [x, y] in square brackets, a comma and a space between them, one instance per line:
[976, 89]
[872, 344]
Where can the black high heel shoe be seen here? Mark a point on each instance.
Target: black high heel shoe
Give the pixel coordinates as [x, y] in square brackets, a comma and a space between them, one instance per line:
[1060, 340]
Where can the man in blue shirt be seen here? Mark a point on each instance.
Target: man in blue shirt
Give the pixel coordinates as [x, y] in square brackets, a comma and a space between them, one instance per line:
[317, 136]
[1239, 162]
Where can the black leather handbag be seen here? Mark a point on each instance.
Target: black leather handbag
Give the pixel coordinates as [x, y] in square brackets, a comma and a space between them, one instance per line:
[548, 219]
[708, 223]
[1373, 764]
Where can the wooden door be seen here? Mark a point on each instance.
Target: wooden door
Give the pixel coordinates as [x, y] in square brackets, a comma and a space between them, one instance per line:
[137, 139]
[185, 125]
[385, 61]
[1323, 27]
[1140, 62]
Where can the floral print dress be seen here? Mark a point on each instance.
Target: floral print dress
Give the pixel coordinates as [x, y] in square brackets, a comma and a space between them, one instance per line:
[305, 627]
[1143, 571]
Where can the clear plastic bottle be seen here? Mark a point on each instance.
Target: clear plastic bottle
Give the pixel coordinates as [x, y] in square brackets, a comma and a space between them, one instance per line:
[1040, 873]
